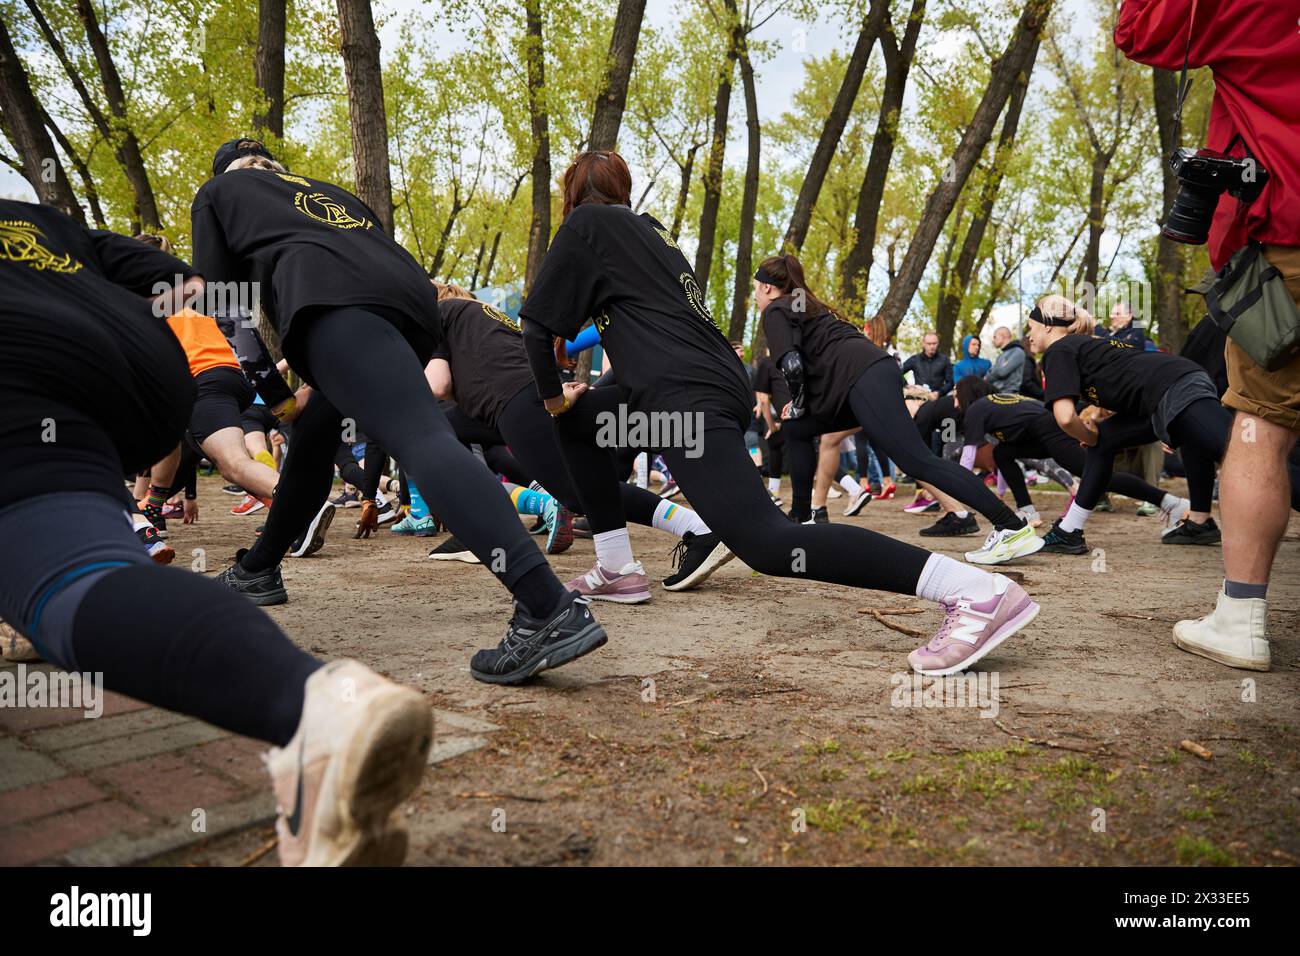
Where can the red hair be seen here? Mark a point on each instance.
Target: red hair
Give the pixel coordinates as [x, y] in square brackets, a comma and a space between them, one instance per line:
[599, 176]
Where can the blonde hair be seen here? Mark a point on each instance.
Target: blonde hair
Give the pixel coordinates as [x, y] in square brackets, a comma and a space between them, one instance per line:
[1058, 306]
[253, 161]
[158, 242]
[450, 291]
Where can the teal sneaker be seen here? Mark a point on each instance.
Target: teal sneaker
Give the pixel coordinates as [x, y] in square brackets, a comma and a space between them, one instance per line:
[559, 527]
[425, 527]
[1147, 509]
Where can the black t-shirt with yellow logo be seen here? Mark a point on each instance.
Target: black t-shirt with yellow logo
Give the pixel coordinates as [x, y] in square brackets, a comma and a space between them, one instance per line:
[486, 354]
[309, 243]
[1005, 416]
[835, 353]
[1110, 374]
[624, 271]
[89, 375]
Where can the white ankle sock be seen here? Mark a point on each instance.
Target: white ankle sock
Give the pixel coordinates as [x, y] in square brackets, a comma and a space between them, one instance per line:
[943, 579]
[774, 485]
[1169, 502]
[850, 484]
[962, 514]
[1075, 518]
[613, 550]
[677, 520]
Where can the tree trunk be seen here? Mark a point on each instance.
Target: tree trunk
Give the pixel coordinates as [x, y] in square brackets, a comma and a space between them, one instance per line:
[125, 143]
[368, 118]
[268, 67]
[951, 301]
[539, 234]
[748, 204]
[833, 128]
[83, 172]
[457, 207]
[1170, 265]
[717, 150]
[944, 195]
[684, 191]
[855, 269]
[1096, 221]
[24, 125]
[613, 93]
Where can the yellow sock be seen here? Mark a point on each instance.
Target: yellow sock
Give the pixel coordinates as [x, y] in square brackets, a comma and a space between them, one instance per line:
[265, 458]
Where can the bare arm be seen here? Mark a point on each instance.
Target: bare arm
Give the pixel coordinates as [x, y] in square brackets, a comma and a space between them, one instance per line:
[1074, 426]
[438, 374]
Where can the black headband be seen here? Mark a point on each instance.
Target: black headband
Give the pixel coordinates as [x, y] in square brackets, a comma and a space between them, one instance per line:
[762, 275]
[233, 149]
[1037, 316]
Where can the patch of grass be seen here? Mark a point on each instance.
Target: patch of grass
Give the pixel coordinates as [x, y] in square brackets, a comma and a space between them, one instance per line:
[1251, 759]
[1198, 851]
[832, 774]
[959, 823]
[836, 815]
[1194, 813]
[899, 756]
[1026, 825]
[921, 784]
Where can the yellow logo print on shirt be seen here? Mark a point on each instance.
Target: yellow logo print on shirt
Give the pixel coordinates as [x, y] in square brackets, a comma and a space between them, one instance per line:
[19, 242]
[293, 179]
[694, 296]
[666, 236]
[325, 208]
[495, 313]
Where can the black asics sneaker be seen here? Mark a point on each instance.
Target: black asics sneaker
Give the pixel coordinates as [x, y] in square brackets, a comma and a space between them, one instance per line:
[819, 516]
[532, 645]
[950, 526]
[694, 559]
[1188, 531]
[263, 588]
[1057, 541]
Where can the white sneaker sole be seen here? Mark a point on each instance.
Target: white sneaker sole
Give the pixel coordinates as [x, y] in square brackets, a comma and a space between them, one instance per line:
[1218, 656]
[619, 598]
[465, 557]
[314, 539]
[856, 505]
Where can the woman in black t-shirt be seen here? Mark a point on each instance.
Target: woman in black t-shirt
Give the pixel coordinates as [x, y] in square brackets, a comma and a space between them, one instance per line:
[1025, 428]
[839, 378]
[481, 360]
[626, 271]
[1152, 395]
[358, 319]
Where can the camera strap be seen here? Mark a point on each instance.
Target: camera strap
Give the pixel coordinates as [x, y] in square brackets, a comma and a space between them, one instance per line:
[1184, 87]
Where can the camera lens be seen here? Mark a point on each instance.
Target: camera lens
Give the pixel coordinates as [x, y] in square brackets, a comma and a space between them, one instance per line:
[1193, 209]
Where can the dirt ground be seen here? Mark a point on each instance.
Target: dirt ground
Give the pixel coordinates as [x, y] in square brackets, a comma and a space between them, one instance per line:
[754, 721]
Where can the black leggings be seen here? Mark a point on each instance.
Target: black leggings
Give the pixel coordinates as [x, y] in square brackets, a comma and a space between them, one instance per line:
[73, 579]
[1200, 433]
[774, 466]
[1044, 439]
[361, 363]
[533, 437]
[349, 469]
[877, 405]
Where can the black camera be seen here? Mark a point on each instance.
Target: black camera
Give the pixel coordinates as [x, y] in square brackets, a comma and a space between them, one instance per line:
[1203, 176]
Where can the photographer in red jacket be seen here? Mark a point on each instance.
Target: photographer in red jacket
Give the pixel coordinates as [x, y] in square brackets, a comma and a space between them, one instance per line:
[1252, 48]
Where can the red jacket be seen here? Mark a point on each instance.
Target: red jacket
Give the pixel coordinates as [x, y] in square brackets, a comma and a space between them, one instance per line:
[1253, 49]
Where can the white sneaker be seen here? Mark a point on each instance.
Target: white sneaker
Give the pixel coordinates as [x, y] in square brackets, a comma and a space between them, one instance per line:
[359, 751]
[834, 492]
[1005, 544]
[1233, 634]
[858, 502]
[1171, 516]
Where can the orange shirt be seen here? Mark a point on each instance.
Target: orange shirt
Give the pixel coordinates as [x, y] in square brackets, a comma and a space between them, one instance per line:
[204, 345]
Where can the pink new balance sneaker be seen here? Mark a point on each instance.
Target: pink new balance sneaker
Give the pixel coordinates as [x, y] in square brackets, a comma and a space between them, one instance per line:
[629, 586]
[971, 629]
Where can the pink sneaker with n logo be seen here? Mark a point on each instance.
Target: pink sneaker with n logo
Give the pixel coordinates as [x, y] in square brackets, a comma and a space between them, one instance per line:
[628, 586]
[971, 629]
